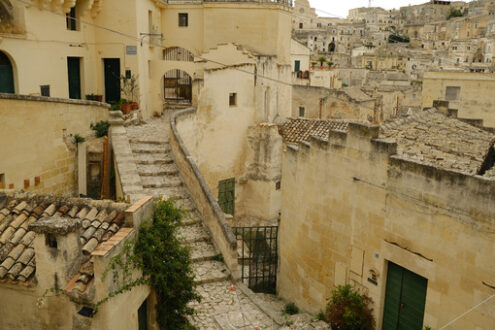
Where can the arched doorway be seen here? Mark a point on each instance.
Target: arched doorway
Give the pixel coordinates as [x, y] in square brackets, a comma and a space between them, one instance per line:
[331, 47]
[177, 86]
[6, 74]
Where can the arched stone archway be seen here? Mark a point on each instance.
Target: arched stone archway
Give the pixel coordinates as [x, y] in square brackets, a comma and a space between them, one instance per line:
[6, 74]
[178, 54]
[331, 47]
[177, 86]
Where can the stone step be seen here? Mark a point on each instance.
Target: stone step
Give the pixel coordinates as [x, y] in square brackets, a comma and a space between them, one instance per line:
[191, 218]
[176, 192]
[209, 271]
[193, 234]
[157, 169]
[185, 204]
[153, 159]
[161, 181]
[144, 141]
[202, 251]
[142, 148]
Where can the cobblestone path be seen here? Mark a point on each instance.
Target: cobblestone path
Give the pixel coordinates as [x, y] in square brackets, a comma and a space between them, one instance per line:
[223, 305]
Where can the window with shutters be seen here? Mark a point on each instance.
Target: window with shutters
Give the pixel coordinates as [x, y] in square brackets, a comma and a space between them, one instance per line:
[452, 93]
[183, 19]
[226, 195]
[71, 19]
[301, 111]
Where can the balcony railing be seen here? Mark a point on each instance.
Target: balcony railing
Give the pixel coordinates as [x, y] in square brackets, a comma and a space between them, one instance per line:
[288, 3]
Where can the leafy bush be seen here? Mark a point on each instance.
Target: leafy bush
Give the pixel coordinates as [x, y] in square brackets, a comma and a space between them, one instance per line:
[291, 309]
[167, 266]
[78, 139]
[350, 310]
[394, 38]
[454, 12]
[101, 128]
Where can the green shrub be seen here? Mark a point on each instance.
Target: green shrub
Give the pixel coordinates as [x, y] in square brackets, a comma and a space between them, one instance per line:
[101, 128]
[167, 266]
[78, 139]
[320, 316]
[350, 310]
[115, 106]
[291, 309]
[454, 12]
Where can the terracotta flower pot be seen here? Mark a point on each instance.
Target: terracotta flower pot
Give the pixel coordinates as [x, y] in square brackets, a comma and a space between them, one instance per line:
[99, 98]
[321, 67]
[134, 106]
[126, 108]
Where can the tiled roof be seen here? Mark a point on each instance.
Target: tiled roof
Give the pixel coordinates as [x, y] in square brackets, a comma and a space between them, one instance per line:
[99, 221]
[432, 138]
[296, 130]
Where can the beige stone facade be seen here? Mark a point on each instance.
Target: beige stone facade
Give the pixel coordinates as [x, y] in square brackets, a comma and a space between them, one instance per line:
[37, 141]
[469, 93]
[370, 196]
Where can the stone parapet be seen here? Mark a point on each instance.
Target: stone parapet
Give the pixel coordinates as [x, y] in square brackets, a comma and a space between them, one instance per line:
[206, 203]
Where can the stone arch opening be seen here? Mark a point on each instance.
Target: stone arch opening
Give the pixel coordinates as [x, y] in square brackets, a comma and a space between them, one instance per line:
[331, 47]
[177, 85]
[178, 54]
[6, 74]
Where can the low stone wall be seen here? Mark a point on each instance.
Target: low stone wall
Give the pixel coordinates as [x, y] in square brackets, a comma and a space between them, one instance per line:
[206, 203]
[37, 141]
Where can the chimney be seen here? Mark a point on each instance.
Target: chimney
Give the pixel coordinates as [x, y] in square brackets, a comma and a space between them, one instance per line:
[57, 250]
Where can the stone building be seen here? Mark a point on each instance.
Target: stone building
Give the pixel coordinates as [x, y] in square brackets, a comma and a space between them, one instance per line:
[388, 208]
[469, 93]
[54, 259]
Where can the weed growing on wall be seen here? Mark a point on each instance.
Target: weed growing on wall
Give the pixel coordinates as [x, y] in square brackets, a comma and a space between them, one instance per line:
[348, 309]
[100, 128]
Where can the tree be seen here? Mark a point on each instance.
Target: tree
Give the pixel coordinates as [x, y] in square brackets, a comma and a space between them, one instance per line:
[349, 310]
[454, 12]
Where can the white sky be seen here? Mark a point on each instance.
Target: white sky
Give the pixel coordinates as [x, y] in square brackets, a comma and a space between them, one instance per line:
[341, 7]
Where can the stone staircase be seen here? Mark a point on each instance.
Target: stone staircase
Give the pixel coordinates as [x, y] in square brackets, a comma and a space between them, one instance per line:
[160, 177]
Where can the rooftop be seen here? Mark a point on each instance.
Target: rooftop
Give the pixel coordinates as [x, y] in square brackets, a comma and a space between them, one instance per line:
[432, 138]
[296, 130]
[22, 215]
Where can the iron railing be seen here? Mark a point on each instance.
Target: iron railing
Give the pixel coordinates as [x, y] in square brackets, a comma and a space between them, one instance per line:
[258, 259]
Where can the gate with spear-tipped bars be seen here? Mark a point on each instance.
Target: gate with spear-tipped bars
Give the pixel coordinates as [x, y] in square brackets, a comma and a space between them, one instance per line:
[257, 248]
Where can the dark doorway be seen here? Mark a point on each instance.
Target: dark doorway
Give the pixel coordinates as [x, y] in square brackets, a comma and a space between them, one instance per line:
[177, 86]
[331, 47]
[112, 79]
[297, 66]
[143, 316]
[6, 75]
[405, 299]
[74, 69]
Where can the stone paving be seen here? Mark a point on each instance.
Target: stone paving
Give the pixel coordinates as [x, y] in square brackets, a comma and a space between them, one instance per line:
[223, 305]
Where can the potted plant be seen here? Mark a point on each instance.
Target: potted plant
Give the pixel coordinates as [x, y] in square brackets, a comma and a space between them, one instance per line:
[130, 89]
[125, 106]
[94, 97]
[99, 98]
[330, 64]
[313, 64]
[322, 60]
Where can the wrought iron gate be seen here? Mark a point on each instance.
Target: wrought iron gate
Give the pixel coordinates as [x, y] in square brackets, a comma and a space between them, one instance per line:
[257, 247]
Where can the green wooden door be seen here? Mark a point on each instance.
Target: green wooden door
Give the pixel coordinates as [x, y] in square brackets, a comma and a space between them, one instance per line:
[74, 69]
[297, 66]
[112, 80]
[226, 195]
[6, 75]
[405, 299]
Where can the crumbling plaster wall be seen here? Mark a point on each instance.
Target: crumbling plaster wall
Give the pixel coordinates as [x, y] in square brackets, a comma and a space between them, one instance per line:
[349, 206]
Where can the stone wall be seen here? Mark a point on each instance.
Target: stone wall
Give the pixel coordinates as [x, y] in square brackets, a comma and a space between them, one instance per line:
[206, 203]
[475, 99]
[350, 206]
[37, 143]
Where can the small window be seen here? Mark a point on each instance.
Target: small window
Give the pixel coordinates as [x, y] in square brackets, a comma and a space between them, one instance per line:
[233, 99]
[301, 111]
[2, 181]
[301, 25]
[51, 241]
[183, 19]
[278, 184]
[45, 90]
[70, 19]
[452, 93]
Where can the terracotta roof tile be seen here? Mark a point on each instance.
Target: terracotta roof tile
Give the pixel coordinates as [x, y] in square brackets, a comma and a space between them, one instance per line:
[297, 130]
[17, 255]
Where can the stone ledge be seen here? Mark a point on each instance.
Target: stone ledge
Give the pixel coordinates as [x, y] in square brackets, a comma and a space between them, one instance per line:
[21, 97]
